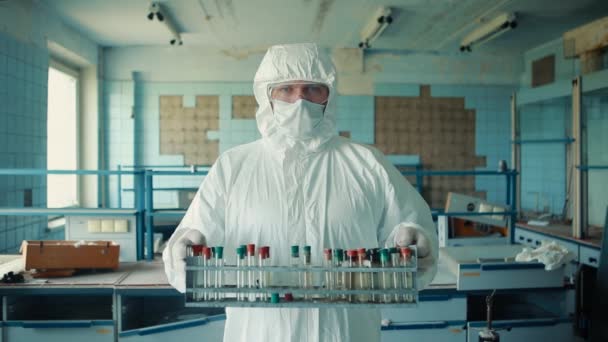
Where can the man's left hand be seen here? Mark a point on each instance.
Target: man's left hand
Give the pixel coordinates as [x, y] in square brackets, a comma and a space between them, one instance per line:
[407, 235]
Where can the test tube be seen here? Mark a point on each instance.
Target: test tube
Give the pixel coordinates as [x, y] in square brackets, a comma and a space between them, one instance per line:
[207, 283]
[218, 252]
[307, 274]
[250, 271]
[240, 274]
[295, 262]
[397, 277]
[373, 260]
[340, 277]
[329, 274]
[406, 261]
[385, 275]
[351, 261]
[199, 277]
[363, 276]
[264, 274]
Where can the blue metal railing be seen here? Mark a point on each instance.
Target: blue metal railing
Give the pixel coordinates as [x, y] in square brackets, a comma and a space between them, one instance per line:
[144, 191]
[139, 194]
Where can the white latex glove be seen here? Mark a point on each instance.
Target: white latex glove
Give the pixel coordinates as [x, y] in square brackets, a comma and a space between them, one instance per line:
[406, 234]
[175, 253]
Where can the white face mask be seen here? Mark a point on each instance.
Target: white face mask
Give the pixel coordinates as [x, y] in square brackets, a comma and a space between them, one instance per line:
[300, 118]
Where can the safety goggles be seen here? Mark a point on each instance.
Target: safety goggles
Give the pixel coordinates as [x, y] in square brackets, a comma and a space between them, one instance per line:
[293, 91]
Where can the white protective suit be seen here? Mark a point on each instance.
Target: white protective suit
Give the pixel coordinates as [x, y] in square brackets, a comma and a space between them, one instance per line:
[324, 191]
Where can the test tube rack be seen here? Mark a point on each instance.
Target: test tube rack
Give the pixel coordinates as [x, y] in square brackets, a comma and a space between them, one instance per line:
[317, 296]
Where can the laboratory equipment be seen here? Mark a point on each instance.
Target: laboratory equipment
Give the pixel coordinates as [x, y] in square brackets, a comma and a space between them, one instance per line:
[363, 276]
[250, 271]
[373, 283]
[264, 281]
[343, 283]
[340, 277]
[307, 284]
[295, 262]
[406, 261]
[395, 262]
[385, 275]
[218, 253]
[350, 280]
[329, 273]
[240, 274]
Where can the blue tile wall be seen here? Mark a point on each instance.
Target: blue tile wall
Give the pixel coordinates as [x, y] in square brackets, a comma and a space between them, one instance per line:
[353, 113]
[543, 165]
[23, 99]
[595, 106]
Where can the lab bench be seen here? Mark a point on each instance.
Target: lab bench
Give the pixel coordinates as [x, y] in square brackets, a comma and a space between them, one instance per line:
[585, 251]
[135, 303]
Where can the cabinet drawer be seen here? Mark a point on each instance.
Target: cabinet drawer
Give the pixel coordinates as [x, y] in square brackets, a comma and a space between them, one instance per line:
[425, 331]
[590, 256]
[430, 308]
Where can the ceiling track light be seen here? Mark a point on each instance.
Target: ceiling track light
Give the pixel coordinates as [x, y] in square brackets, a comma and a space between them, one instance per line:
[374, 28]
[155, 10]
[488, 31]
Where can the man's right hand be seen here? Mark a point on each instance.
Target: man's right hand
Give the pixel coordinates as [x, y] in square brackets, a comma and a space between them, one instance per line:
[175, 253]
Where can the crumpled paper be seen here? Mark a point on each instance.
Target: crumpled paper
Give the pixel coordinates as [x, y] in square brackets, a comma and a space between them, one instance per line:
[550, 253]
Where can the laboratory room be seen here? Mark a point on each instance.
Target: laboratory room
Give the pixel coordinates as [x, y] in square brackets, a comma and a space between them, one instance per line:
[303, 170]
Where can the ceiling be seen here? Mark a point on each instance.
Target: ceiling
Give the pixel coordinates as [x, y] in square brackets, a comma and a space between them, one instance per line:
[246, 25]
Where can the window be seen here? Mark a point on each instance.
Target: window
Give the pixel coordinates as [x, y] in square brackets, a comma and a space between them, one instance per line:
[62, 136]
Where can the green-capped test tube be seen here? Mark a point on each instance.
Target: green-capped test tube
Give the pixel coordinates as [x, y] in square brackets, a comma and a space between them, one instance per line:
[295, 262]
[307, 274]
[340, 277]
[218, 254]
[385, 275]
[240, 273]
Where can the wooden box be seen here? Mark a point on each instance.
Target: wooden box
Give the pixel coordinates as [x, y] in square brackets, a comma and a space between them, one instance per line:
[70, 255]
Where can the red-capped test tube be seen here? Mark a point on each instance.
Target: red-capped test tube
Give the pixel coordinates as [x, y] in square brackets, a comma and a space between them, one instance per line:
[196, 251]
[408, 281]
[206, 273]
[264, 280]
[329, 273]
[351, 261]
[363, 276]
[251, 272]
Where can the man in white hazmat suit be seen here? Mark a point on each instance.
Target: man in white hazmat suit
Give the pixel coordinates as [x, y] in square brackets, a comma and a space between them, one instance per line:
[302, 184]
